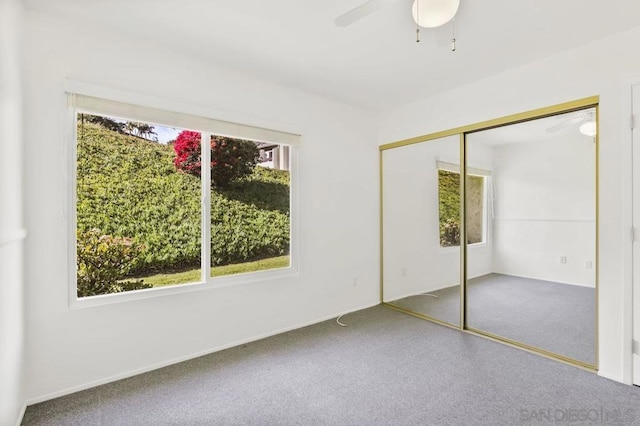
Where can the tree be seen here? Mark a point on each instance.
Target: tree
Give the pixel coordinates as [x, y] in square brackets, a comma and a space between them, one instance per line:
[106, 122]
[231, 158]
[134, 128]
[142, 130]
[147, 131]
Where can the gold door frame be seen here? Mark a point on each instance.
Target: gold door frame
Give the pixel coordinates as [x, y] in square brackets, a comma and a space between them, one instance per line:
[463, 131]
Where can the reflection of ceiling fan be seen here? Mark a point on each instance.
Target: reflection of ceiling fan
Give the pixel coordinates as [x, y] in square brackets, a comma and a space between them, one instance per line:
[426, 13]
[585, 120]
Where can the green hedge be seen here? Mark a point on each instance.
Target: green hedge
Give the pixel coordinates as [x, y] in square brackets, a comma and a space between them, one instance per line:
[128, 187]
[449, 206]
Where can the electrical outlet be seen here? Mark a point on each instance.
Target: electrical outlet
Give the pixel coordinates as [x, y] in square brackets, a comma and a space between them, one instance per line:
[588, 264]
[563, 259]
[403, 272]
[355, 281]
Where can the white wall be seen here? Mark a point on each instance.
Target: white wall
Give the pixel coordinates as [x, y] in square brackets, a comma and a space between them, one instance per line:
[11, 216]
[545, 209]
[601, 68]
[414, 262]
[338, 204]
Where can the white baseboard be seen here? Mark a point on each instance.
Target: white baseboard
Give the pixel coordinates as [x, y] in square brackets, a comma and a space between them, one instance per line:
[544, 279]
[21, 415]
[615, 378]
[163, 364]
[420, 292]
[430, 289]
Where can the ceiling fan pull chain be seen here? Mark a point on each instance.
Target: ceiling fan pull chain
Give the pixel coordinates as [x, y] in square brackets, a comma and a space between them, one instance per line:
[418, 22]
[453, 40]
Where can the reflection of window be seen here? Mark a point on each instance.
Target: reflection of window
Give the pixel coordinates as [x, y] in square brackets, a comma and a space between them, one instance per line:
[475, 209]
[146, 216]
[449, 207]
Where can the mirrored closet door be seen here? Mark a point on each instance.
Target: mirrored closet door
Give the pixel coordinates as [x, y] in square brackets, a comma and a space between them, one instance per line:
[492, 228]
[531, 226]
[421, 229]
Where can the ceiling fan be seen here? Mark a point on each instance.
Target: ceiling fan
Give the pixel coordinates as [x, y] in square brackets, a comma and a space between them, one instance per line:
[585, 120]
[426, 13]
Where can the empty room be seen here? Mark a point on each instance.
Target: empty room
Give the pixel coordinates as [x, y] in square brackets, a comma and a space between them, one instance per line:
[407, 212]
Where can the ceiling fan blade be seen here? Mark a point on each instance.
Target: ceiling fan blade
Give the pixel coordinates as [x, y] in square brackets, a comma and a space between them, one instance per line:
[566, 123]
[360, 12]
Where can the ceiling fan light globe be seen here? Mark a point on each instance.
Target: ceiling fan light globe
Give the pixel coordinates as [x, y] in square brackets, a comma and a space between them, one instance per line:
[588, 128]
[434, 13]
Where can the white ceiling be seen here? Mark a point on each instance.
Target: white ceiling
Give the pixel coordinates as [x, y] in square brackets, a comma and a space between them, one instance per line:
[374, 63]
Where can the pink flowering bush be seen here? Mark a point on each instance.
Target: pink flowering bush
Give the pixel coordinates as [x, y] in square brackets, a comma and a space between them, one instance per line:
[231, 159]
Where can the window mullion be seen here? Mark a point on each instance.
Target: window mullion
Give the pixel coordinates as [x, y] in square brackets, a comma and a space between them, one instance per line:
[205, 231]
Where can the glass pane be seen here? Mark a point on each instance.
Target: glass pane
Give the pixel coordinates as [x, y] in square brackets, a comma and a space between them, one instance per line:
[449, 205]
[449, 208]
[138, 213]
[421, 228]
[533, 281]
[475, 209]
[250, 206]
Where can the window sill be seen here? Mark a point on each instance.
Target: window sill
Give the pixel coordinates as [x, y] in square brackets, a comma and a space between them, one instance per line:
[212, 283]
[456, 249]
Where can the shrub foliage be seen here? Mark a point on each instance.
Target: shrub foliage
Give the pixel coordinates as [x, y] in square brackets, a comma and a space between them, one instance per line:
[450, 233]
[103, 262]
[449, 207]
[231, 159]
[128, 188]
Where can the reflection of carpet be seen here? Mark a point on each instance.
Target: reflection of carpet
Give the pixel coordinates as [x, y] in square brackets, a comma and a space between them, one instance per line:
[559, 318]
[445, 308]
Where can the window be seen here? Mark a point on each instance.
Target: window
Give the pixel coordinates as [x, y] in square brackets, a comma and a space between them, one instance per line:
[449, 205]
[148, 211]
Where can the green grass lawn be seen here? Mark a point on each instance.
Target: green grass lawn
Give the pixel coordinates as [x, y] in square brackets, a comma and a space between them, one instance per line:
[193, 275]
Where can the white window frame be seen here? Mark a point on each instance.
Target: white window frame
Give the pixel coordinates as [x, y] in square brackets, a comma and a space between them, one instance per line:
[485, 210]
[471, 171]
[130, 109]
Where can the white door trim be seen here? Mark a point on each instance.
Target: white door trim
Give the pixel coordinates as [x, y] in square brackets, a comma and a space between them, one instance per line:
[631, 210]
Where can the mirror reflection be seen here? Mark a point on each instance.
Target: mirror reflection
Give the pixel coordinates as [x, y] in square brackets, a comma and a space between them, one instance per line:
[421, 228]
[531, 221]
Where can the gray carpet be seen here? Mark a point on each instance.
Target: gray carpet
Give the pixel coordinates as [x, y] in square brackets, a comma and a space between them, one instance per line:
[385, 368]
[556, 317]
